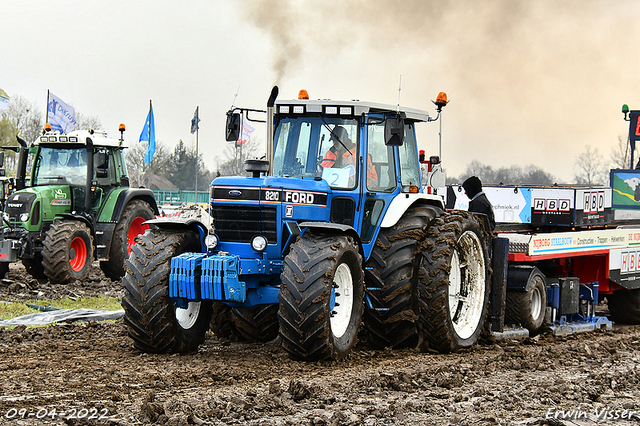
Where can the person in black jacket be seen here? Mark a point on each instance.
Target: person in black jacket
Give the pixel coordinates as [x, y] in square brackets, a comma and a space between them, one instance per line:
[479, 203]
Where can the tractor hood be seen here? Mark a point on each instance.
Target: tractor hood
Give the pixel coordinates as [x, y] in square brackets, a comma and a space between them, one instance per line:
[28, 204]
[245, 207]
[271, 189]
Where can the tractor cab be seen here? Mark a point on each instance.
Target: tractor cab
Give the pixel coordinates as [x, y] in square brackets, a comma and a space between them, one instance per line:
[339, 162]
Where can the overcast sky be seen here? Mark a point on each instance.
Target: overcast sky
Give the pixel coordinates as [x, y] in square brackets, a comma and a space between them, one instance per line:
[530, 82]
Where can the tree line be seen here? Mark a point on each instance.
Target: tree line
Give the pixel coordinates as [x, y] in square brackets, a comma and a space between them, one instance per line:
[177, 169]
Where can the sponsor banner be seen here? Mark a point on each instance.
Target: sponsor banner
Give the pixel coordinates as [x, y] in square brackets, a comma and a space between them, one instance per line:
[565, 242]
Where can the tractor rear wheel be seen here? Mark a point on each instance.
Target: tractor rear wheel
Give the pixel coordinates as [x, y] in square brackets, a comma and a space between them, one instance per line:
[624, 306]
[130, 225]
[391, 276]
[155, 323]
[258, 323]
[67, 251]
[454, 283]
[321, 297]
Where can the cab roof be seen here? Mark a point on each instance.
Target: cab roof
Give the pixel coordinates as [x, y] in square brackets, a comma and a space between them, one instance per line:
[79, 137]
[353, 108]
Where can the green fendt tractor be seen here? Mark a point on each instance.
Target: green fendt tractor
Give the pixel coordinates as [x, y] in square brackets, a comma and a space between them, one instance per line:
[71, 205]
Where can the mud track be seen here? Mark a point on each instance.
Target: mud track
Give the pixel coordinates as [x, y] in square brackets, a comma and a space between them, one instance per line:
[93, 366]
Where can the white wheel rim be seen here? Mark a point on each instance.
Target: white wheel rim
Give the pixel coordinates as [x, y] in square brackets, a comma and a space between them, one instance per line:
[536, 303]
[187, 317]
[343, 292]
[467, 285]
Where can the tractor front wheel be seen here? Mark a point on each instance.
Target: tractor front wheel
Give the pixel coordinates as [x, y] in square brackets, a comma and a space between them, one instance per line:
[156, 324]
[67, 251]
[321, 297]
[4, 268]
[34, 267]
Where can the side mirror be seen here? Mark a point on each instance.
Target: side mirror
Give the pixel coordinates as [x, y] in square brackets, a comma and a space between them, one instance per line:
[1, 159]
[233, 127]
[394, 131]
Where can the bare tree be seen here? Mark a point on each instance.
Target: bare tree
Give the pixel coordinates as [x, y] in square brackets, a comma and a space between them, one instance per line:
[620, 154]
[232, 164]
[24, 117]
[589, 168]
[137, 167]
[88, 122]
[514, 175]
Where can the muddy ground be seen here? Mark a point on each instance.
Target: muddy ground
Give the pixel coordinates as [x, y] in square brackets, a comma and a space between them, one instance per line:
[89, 373]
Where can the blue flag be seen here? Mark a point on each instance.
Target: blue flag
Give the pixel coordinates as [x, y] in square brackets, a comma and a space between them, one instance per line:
[149, 134]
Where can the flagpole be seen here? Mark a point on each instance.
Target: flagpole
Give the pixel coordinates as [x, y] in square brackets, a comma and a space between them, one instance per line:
[149, 131]
[197, 130]
[46, 118]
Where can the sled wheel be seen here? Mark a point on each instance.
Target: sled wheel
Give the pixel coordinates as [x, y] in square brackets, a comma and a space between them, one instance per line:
[67, 251]
[321, 298]
[130, 225]
[391, 276]
[527, 308]
[454, 284]
[154, 322]
[258, 323]
[624, 306]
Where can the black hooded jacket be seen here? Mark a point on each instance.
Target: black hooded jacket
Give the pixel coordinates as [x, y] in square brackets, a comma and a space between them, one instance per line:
[479, 203]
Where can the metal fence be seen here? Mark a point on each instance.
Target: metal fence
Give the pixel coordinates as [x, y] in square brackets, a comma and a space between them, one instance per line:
[177, 197]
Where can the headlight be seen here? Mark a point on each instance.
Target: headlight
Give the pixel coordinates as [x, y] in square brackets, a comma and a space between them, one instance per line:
[259, 243]
[24, 217]
[211, 241]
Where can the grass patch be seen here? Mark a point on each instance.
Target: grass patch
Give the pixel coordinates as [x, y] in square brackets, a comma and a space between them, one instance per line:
[15, 309]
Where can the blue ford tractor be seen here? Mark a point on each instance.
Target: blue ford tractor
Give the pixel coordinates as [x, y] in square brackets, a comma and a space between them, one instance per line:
[332, 230]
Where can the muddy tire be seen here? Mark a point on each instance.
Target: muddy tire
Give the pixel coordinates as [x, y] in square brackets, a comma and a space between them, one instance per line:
[222, 325]
[154, 322]
[4, 268]
[321, 298]
[258, 323]
[34, 267]
[391, 276]
[67, 251]
[128, 227]
[624, 306]
[527, 308]
[454, 284]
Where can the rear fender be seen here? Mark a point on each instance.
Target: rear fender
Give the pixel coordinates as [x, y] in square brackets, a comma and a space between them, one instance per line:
[402, 202]
[125, 197]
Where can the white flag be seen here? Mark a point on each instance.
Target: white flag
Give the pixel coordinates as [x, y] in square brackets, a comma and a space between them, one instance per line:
[4, 99]
[246, 133]
[61, 116]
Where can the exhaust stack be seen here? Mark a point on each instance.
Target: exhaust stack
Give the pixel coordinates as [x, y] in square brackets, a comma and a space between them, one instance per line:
[270, 104]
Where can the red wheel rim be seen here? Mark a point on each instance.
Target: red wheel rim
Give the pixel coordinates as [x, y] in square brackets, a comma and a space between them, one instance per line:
[137, 227]
[77, 254]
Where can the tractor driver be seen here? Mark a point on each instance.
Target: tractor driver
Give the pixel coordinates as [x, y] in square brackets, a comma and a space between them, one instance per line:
[342, 154]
